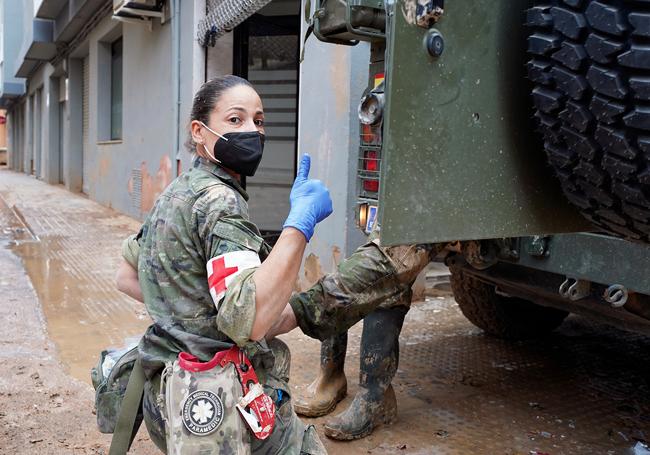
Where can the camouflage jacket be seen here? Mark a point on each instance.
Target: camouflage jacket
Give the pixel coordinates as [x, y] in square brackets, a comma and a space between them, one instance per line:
[202, 214]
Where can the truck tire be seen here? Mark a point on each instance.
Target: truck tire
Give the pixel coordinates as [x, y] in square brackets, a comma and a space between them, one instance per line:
[500, 316]
[590, 67]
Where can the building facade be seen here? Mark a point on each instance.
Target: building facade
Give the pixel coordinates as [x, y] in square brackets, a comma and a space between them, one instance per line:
[98, 95]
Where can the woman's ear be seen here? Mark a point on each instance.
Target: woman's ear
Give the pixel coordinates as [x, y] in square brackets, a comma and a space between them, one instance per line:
[195, 132]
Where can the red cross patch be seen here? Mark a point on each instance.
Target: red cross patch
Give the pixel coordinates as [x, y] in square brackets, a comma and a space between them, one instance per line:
[223, 269]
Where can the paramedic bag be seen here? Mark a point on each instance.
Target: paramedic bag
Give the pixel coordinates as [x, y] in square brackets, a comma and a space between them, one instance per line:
[208, 406]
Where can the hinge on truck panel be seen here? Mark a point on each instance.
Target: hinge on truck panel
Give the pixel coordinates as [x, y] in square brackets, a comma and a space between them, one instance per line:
[349, 21]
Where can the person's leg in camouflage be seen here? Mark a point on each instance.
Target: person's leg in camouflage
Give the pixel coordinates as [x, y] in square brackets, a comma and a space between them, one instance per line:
[373, 277]
[330, 387]
[375, 401]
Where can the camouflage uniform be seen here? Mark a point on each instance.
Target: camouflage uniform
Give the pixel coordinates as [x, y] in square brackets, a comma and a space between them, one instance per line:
[203, 214]
[378, 363]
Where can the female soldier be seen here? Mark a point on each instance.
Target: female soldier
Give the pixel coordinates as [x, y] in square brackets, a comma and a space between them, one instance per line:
[209, 280]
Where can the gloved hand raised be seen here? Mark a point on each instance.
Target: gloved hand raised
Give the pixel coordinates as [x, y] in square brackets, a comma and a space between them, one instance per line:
[310, 201]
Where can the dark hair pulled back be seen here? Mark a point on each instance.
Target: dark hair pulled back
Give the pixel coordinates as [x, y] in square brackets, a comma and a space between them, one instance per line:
[207, 97]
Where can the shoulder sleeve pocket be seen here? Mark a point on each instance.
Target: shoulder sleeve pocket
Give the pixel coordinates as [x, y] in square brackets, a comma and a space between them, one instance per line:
[238, 232]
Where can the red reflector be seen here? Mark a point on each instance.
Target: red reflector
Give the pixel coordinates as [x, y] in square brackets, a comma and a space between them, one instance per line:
[371, 185]
[367, 134]
[370, 162]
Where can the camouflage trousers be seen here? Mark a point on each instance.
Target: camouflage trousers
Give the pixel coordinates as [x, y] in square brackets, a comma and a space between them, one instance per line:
[333, 349]
[372, 277]
[290, 435]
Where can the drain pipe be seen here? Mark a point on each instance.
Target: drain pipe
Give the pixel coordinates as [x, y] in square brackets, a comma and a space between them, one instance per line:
[176, 78]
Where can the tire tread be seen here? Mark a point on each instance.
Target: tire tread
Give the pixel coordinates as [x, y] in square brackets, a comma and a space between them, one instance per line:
[590, 66]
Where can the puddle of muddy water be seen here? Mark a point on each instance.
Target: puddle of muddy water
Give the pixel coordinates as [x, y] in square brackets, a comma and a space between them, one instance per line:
[12, 228]
[83, 311]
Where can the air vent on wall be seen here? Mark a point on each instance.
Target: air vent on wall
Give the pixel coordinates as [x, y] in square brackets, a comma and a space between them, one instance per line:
[136, 193]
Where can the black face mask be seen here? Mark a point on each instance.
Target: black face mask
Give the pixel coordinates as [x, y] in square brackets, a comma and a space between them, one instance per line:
[240, 152]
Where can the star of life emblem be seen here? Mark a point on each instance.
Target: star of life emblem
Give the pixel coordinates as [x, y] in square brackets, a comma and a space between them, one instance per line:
[202, 412]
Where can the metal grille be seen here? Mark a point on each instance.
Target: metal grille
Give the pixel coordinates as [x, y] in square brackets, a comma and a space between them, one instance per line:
[272, 52]
[136, 195]
[225, 15]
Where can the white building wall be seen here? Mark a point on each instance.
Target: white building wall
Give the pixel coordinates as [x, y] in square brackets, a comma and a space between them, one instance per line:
[332, 81]
[145, 145]
[126, 174]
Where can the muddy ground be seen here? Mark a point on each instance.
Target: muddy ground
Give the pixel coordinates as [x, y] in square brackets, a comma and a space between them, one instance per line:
[43, 410]
[584, 389]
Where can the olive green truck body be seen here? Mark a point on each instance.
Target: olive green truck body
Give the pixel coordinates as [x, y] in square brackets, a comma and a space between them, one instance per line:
[516, 132]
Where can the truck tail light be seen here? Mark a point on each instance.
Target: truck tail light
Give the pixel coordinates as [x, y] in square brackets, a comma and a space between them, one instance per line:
[370, 135]
[367, 216]
[369, 168]
[372, 186]
[371, 161]
[362, 217]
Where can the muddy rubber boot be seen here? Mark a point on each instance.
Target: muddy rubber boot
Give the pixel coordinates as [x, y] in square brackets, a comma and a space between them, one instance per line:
[375, 402]
[331, 386]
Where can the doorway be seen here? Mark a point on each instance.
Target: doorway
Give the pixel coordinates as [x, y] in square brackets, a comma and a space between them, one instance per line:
[266, 51]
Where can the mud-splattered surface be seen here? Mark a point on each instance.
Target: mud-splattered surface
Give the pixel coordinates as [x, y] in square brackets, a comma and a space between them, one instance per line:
[583, 390]
[84, 312]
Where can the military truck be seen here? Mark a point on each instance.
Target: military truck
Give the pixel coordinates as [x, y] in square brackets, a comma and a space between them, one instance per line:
[518, 133]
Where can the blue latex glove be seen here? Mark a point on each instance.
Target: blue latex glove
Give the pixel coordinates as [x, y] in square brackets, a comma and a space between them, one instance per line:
[310, 201]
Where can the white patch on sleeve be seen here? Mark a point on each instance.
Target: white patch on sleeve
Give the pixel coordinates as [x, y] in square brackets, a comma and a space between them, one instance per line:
[222, 270]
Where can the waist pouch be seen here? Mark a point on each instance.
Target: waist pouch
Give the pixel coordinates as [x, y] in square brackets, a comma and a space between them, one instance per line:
[214, 407]
[110, 378]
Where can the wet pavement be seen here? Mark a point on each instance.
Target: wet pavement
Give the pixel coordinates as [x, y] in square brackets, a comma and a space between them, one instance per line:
[43, 410]
[585, 389]
[69, 248]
